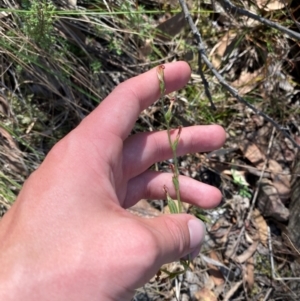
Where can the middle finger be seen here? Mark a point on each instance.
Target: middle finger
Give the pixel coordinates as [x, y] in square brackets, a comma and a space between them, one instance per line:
[142, 150]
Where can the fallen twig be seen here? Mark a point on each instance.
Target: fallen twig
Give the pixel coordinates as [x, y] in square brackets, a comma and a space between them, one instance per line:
[205, 83]
[233, 289]
[274, 274]
[232, 9]
[221, 79]
[254, 198]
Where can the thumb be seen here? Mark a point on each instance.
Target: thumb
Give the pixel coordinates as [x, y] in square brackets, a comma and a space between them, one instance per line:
[177, 235]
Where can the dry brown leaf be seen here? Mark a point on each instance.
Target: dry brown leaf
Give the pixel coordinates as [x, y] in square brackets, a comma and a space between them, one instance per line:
[261, 226]
[252, 153]
[249, 274]
[219, 50]
[281, 181]
[171, 27]
[269, 5]
[247, 81]
[220, 230]
[144, 209]
[274, 166]
[240, 206]
[205, 295]
[214, 272]
[270, 204]
[233, 289]
[165, 32]
[247, 254]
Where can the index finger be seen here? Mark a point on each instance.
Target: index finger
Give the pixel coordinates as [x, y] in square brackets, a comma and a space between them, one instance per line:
[118, 113]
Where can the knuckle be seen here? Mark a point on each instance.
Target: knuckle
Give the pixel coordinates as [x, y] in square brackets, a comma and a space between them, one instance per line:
[144, 242]
[177, 234]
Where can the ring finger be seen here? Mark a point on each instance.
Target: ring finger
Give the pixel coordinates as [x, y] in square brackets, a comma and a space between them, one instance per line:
[150, 184]
[142, 150]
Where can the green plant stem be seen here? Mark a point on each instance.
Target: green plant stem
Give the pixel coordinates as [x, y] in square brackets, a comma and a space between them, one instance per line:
[11, 181]
[176, 172]
[173, 144]
[102, 12]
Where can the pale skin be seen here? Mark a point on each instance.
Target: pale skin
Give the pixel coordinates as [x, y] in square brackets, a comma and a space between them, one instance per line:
[68, 235]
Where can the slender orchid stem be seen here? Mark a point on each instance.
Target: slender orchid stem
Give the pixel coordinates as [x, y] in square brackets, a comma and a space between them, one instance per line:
[173, 144]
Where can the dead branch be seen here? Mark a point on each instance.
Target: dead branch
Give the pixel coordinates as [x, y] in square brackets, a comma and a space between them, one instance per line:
[233, 10]
[223, 82]
[205, 83]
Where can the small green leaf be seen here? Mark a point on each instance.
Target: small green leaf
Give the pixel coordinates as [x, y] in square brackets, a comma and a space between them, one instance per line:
[162, 88]
[175, 143]
[171, 203]
[168, 116]
[185, 264]
[175, 182]
[172, 206]
[172, 275]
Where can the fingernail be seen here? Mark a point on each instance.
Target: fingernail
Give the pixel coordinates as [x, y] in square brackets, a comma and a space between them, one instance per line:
[195, 253]
[197, 232]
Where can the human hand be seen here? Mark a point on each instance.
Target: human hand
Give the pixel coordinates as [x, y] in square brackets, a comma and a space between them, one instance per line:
[68, 236]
